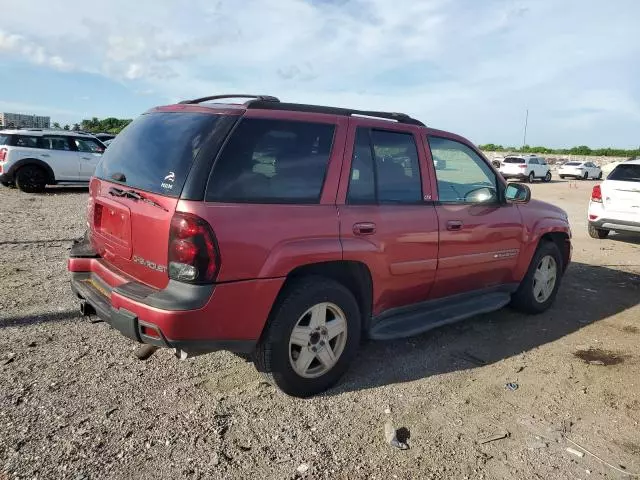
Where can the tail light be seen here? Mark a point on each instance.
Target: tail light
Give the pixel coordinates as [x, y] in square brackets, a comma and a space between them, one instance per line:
[193, 250]
[522, 166]
[596, 194]
[3, 154]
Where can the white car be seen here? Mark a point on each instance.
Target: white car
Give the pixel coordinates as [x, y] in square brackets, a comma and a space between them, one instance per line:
[583, 170]
[33, 158]
[615, 203]
[525, 167]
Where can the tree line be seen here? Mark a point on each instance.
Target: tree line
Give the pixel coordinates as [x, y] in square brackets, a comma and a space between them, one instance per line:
[96, 125]
[580, 150]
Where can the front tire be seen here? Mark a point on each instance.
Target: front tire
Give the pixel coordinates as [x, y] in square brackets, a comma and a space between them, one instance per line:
[547, 177]
[531, 178]
[598, 233]
[600, 175]
[585, 176]
[31, 179]
[312, 337]
[539, 287]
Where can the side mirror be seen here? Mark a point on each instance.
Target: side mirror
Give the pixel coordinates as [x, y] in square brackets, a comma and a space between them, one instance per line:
[517, 193]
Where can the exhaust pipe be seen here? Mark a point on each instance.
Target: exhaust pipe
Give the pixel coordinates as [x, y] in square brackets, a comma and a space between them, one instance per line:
[86, 309]
[145, 351]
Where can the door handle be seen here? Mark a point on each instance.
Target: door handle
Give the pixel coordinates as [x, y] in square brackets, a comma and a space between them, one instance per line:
[86, 158]
[454, 225]
[45, 155]
[364, 228]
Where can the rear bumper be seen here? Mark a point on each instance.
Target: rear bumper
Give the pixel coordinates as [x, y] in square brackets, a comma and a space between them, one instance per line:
[517, 176]
[617, 225]
[195, 319]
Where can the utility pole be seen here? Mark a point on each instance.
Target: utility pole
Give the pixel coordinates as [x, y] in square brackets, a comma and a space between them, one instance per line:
[526, 120]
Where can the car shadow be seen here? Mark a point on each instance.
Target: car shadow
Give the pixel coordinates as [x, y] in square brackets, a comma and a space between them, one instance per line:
[624, 237]
[66, 190]
[489, 338]
[34, 318]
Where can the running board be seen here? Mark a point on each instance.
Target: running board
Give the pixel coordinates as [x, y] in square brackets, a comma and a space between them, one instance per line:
[435, 314]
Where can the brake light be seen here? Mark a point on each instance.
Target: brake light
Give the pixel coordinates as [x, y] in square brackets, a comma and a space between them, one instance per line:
[193, 250]
[3, 154]
[596, 194]
[522, 166]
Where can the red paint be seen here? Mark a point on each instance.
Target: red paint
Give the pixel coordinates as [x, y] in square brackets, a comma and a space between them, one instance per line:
[413, 252]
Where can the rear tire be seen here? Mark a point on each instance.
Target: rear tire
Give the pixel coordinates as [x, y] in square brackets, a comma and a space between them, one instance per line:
[585, 176]
[600, 175]
[31, 179]
[280, 348]
[535, 293]
[531, 178]
[598, 233]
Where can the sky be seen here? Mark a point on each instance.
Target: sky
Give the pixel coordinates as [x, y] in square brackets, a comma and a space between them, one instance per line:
[469, 66]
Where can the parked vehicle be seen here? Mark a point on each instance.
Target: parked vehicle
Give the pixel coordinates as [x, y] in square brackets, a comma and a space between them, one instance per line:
[288, 231]
[33, 158]
[582, 170]
[525, 167]
[615, 203]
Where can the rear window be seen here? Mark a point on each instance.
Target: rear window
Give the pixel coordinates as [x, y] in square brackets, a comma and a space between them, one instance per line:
[272, 161]
[513, 160]
[572, 164]
[155, 152]
[625, 173]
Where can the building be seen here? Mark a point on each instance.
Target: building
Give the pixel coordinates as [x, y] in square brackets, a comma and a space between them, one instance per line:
[20, 120]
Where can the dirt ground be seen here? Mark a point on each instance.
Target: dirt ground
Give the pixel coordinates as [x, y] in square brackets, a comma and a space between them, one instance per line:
[76, 404]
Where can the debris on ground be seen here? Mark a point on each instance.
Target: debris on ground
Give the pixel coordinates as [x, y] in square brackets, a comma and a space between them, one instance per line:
[494, 438]
[392, 437]
[575, 452]
[512, 386]
[302, 468]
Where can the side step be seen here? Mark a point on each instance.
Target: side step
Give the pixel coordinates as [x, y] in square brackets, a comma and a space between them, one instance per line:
[435, 314]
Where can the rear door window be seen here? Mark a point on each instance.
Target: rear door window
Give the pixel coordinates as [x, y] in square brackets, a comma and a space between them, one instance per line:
[625, 173]
[272, 161]
[5, 139]
[55, 143]
[155, 152]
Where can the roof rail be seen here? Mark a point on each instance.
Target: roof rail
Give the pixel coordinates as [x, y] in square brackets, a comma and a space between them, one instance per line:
[262, 98]
[299, 107]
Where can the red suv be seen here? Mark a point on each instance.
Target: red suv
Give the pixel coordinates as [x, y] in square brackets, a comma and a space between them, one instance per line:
[289, 231]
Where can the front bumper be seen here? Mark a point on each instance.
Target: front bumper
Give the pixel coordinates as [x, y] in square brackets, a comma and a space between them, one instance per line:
[194, 319]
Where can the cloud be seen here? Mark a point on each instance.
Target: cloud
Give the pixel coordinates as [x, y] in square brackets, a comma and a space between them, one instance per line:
[472, 67]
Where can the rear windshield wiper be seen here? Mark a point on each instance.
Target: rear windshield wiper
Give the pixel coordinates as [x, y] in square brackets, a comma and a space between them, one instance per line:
[117, 192]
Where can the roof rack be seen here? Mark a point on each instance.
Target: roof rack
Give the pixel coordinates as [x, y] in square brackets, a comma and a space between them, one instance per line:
[262, 98]
[299, 107]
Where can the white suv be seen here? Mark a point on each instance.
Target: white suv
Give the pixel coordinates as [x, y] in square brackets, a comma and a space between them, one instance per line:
[525, 167]
[615, 203]
[34, 158]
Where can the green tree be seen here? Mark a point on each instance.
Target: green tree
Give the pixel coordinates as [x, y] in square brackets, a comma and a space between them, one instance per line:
[66, 127]
[56, 125]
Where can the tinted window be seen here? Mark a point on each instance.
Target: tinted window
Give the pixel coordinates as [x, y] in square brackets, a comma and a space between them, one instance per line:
[625, 173]
[533, 161]
[24, 141]
[55, 143]
[513, 160]
[155, 151]
[467, 178]
[88, 145]
[5, 139]
[398, 171]
[272, 161]
[572, 164]
[362, 185]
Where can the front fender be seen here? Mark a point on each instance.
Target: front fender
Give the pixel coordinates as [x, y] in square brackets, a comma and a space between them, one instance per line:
[532, 234]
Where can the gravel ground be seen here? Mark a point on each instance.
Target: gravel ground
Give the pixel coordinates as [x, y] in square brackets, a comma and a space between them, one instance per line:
[75, 403]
